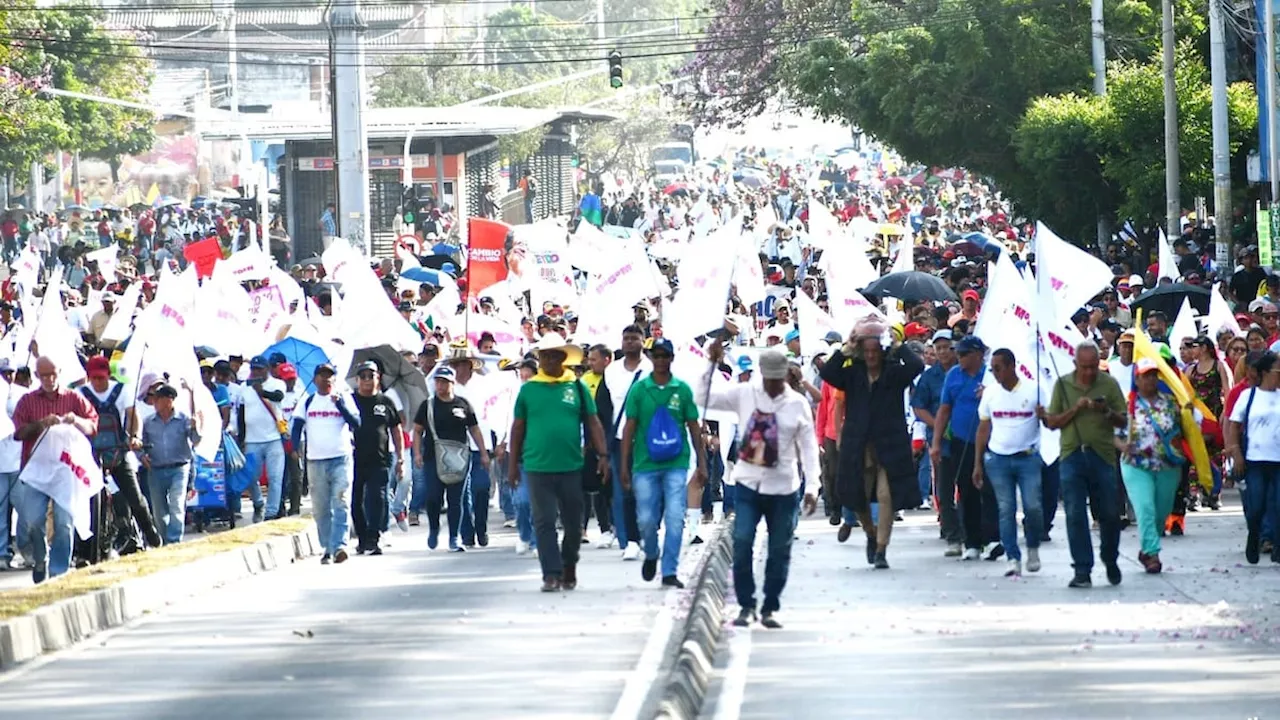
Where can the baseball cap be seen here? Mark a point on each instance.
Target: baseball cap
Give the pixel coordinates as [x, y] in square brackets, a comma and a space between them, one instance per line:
[98, 366]
[773, 365]
[833, 337]
[326, 368]
[941, 335]
[445, 373]
[745, 364]
[793, 335]
[165, 390]
[970, 343]
[367, 365]
[287, 371]
[1146, 365]
[277, 358]
[259, 361]
[915, 330]
[1126, 337]
[1136, 281]
[970, 294]
[663, 345]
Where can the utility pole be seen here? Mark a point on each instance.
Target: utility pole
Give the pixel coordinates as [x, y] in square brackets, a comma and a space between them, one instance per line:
[600, 19]
[1221, 140]
[347, 29]
[1099, 46]
[1273, 153]
[1172, 187]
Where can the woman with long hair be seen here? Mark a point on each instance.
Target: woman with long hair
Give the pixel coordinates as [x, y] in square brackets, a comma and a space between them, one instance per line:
[1255, 453]
[1151, 457]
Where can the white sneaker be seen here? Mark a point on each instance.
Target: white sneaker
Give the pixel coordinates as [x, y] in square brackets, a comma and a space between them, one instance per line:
[509, 524]
[522, 547]
[1015, 569]
[606, 540]
[1033, 559]
[971, 554]
[632, 552]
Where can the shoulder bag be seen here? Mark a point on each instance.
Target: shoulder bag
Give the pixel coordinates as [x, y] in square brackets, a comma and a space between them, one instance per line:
[453, 458]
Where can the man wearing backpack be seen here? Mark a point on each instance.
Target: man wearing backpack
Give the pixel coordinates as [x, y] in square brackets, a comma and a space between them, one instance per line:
[329, 420]
[118, 434]
[659, 410]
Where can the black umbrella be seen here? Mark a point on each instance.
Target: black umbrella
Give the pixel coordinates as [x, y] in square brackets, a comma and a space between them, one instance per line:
[1168, 299]
[911, 286]
[397, 374]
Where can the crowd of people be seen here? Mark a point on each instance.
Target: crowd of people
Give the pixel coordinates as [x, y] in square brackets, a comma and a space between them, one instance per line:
[853, 360]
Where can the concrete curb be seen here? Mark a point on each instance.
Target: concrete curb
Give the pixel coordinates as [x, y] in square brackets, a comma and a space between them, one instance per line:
[68, 622]
[690, 675]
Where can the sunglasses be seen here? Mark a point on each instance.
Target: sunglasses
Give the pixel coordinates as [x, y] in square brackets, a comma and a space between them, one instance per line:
[366, 375]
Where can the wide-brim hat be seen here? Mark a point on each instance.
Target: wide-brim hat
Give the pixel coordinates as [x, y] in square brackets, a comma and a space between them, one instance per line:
[553, 341]
[460, 351]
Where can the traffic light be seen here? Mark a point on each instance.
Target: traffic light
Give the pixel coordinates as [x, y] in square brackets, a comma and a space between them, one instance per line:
[409, 205]
[615, 69]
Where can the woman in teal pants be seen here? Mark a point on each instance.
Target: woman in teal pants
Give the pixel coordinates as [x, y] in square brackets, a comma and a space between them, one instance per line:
[1151, 457]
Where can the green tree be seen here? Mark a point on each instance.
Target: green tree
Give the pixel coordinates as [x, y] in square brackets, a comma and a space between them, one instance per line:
[1110, 150]
[66, 48]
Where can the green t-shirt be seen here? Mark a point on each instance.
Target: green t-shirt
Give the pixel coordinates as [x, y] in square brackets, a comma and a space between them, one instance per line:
[1090, 428]
[642, 402]
[553, 413]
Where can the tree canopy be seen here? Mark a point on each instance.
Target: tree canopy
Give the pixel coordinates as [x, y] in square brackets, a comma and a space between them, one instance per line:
[979, 84]
[66, 48]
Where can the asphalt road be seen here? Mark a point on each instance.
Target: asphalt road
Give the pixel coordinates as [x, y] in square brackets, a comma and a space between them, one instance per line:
[409, 634]
[936, 637]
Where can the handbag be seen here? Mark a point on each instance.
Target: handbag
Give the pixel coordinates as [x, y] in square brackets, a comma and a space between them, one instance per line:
[453, 458]
[1238, 473]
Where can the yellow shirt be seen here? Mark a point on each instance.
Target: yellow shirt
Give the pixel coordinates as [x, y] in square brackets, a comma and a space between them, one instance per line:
[592, 380]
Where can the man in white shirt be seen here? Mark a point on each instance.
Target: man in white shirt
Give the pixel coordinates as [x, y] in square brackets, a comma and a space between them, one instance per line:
[1008, 452]
[619, 377]
[328, 419]
[777, 432]
[259, 424]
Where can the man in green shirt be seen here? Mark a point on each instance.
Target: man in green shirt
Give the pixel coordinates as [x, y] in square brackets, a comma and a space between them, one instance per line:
[661, 417]
[1087, 406]
[554, 411]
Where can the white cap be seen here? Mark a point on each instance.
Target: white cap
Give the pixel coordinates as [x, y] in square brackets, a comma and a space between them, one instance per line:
[1136, 281]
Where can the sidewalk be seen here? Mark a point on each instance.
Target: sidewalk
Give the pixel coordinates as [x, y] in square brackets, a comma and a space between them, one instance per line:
[411, 632]
[1201, 640]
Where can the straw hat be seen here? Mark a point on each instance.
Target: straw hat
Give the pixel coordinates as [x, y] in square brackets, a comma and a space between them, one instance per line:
[553, 341]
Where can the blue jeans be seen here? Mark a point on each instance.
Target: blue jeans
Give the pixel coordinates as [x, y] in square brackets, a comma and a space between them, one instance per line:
[1050, 492]
[624, 510]
[1088, 480]
[523, 509]
[272, 454]
[1010, 475]
[779, 513]
[528, 210]
[168, 490]
[661, 492]
[850, 518]
[401, 486]
[498, 474]
[35, 504]
[330, 483]
[1261, 497]
[434, 496]
[924, 476]
[475, 501]
[418, 496]
[10, 501]
[371, 498]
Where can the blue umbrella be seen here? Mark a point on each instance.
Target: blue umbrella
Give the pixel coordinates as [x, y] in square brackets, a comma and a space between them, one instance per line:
[443, 249]
[427, 275]
[302, 355]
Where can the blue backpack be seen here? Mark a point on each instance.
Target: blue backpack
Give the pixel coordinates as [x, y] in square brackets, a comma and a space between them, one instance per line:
[665, 438]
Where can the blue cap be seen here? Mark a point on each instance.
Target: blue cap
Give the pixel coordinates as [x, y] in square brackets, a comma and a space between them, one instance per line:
[277, 358]
[445, 373]
[259, 361]
[449, 268]
[745, 364]
[664, 345]
[833, 337]
[970, 343]
[793, 335]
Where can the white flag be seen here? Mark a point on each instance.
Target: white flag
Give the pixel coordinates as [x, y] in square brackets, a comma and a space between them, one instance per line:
[1167, 262]
[1067, 277]
[62, 467]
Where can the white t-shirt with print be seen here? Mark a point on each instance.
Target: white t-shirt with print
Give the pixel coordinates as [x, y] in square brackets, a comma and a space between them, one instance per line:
[259, 425]
[1014, 425]
[327, 433]
[1263, 429]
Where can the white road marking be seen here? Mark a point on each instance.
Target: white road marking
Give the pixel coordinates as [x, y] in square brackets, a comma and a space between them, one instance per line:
[641, 679]
[733, 683]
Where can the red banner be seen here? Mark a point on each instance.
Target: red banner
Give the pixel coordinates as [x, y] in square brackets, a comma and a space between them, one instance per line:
[486, 254]
[205, 254]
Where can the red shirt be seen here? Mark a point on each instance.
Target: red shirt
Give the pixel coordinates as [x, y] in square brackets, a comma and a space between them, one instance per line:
[39, 404]
[1232, 395]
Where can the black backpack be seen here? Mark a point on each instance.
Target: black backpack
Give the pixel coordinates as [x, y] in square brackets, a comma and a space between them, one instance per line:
[110, 445]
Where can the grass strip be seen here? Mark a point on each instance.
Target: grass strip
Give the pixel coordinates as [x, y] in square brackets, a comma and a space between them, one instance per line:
[14, 603]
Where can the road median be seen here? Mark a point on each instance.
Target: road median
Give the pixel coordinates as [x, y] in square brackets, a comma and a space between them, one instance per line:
[61, 612]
